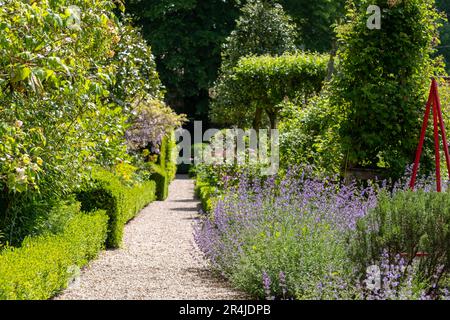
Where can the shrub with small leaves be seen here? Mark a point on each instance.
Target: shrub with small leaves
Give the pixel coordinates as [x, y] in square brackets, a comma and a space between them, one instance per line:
[414, 225]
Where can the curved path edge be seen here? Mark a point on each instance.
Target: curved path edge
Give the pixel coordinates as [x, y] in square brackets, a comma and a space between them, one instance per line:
[158, 260]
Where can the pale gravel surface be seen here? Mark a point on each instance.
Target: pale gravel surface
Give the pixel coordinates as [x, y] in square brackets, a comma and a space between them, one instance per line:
[158, 259]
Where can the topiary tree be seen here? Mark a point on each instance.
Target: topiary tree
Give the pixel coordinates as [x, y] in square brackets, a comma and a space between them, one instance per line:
[382, 82]
[259, 84]
[262, 29]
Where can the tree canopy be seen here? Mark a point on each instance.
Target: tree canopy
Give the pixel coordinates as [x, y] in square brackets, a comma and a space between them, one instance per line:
[258, 85]
[263, 28]
[186, 38]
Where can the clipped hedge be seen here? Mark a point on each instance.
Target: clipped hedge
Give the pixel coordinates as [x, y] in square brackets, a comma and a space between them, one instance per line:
[41, 267]
[171, 157]
[120, 201]
[165, 169]
[259, 84]
[274, 78]
[205, 193]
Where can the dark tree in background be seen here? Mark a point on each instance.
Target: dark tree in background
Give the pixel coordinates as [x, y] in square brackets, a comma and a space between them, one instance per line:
[186, 38]
[444, 48]
[187, 35]
[315, 20]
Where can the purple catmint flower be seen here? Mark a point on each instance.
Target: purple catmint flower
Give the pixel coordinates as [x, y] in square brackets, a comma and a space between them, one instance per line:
[283, 284]
[266, 285]
[251, 207]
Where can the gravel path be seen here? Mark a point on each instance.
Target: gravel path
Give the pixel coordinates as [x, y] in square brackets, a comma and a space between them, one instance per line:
[158, 260]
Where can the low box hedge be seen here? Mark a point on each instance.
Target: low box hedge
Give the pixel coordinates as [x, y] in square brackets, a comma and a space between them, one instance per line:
[162, 182]
[44, 265]
[171, 157]
[206, 194]
[165, 169]
[120, 201]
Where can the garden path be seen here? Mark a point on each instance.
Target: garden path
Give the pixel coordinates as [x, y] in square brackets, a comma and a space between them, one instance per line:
[158, 259]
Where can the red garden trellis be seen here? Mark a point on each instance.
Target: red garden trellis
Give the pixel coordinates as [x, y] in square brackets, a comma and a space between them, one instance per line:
[438, 123]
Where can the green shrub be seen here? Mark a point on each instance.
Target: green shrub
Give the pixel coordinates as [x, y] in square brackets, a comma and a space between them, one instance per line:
[57, 218]
[162, 182]
[171, 157]
[120, 201]
[66, 108]
[42, 266]
[258, 85]
[311, 136]
[205, 193]
[408, 223]
[382, 82]
[262, 29]
[164, 169]
[167, 156]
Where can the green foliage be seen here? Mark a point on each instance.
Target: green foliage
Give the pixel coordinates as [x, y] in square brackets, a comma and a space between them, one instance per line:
[198, 29]
[409, 223]
[186, 37]
[54, 82]
[382, 82]
[68, 94]
[315, 21]
[444, 48]
[20, 168]
[261, 84]
[160, 176]
[56, 220]
[164, 169]
[263, 28]
[120, 201]
[206, 194]
[44, 265]
[171, 156]
[311, 136]
[134, 61]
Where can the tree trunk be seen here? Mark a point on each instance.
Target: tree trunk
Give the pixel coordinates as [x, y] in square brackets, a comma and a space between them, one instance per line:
[273, 119]
[257, 119]
[331, 63]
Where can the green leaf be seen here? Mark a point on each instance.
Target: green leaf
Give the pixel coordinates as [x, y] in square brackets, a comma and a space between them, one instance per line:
[20, 74]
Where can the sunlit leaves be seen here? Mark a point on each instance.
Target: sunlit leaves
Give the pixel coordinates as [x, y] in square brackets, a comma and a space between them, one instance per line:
[55, 81]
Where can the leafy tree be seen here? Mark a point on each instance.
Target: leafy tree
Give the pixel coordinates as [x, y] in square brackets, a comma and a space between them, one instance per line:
[70, 83]
[383, 79]
[186, 37]
[138, 89]
[258, 85]
[315, 21]
[262, 29]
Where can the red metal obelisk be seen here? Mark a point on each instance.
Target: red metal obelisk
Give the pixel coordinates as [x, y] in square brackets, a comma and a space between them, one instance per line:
[438, 123]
